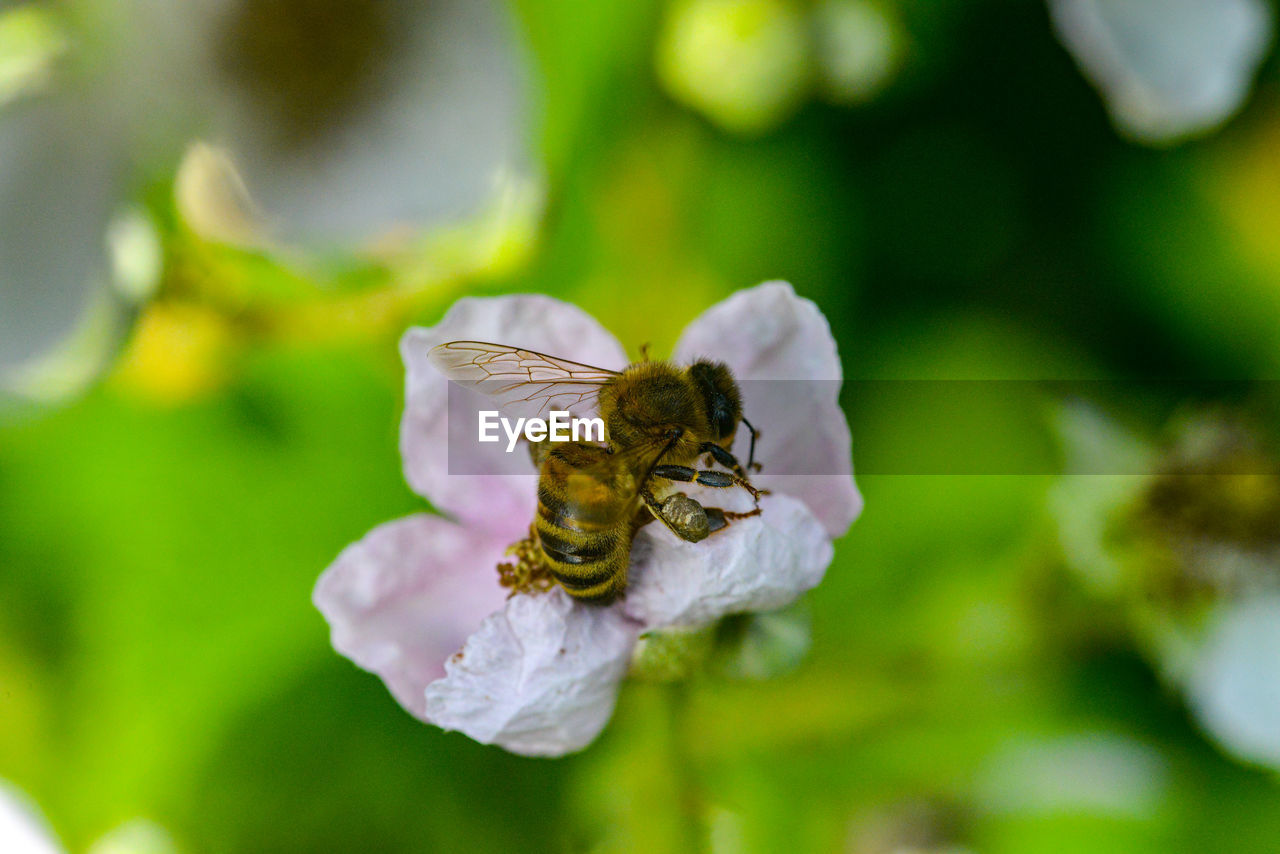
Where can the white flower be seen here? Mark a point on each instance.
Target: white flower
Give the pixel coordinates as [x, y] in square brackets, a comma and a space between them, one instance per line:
[22, 829]
[541, 673]
[859, 46]
[348, 119]
[1221, 648]
[1167, 68]
[347, 122]
[1092, 773]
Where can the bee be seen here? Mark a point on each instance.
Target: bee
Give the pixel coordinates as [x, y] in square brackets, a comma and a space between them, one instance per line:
[660, 420]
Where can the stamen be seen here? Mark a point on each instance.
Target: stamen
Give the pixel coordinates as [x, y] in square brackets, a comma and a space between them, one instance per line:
[529, 573]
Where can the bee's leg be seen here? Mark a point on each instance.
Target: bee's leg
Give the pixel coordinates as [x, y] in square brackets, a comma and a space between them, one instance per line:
[683, 516]
[644, 352]
[706, 477]
[724, 458]
[643, 517]
[718, 519]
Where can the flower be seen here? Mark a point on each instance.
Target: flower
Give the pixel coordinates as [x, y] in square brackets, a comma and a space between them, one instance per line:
[22, 827]
[23, 830]
[348, 120]
[1234, 686]
[859, 47]
[333, 125]
[541, 673]
[1166, 70]
[1185, 539]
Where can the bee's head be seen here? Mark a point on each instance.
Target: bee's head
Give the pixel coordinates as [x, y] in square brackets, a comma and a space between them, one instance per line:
[720, 396]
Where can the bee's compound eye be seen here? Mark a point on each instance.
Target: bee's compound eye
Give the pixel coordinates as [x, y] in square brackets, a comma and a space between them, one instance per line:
[723, 424]
[721, 397]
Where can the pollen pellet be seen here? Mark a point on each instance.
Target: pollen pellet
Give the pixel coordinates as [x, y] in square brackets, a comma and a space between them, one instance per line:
[687, 516]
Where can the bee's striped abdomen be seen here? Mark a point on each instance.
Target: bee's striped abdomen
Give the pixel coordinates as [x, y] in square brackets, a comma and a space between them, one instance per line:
[588, 558]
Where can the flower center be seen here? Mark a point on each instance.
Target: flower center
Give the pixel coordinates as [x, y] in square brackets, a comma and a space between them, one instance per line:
[310, 64]
[529, 572]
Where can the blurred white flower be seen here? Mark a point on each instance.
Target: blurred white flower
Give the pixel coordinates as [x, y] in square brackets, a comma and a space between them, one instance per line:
[61, 178]
[859, 48]
[29, 45]
[1234, 686]
[1166, 68]
[22, 829]
[541, 674]
[1193, 559]
[347, 118]
[1107, 469]
[341, 123]
[1095, 773]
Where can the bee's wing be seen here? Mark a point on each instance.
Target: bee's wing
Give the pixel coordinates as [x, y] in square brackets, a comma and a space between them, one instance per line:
[640, 459]
[524, 383]
[602, 471]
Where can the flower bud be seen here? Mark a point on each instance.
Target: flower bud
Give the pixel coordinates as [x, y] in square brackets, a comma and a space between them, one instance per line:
[670, 655]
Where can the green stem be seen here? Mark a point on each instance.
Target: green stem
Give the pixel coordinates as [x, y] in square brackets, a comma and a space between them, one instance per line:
[691, 800]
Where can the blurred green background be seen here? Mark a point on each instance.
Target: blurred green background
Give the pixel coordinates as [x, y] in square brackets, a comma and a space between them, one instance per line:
[977, 216]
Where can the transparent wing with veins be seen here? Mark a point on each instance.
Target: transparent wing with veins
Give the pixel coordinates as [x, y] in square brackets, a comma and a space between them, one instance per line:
[523, 383]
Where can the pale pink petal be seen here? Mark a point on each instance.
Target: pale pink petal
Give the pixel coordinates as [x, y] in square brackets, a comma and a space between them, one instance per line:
[757, 564]
[443, 461]
[539, 678]
[780, 348]
[403, 599]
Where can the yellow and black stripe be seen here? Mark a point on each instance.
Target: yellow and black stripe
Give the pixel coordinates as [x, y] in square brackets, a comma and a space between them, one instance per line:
[586, 506]
[588, 558]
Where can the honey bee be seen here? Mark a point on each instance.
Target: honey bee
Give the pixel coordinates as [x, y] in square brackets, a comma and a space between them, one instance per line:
[660, 420]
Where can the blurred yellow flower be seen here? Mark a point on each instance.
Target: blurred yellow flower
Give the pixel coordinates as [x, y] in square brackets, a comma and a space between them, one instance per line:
[178, 351]
[744, 64]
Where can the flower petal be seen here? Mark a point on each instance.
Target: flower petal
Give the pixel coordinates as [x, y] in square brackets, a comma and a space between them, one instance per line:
[404, 598]
[757, 564]
[443, 461]
[1167, 68]
[1102, 464]
[539, 678]
[1235, 688]
[61, 169]
[780, 348]
[22, 828]
[1095, 773]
